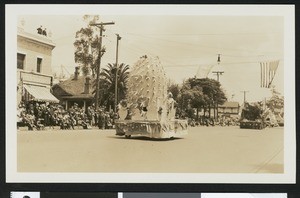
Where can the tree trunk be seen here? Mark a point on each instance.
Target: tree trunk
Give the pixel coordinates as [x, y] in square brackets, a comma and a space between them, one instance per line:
[217, 112]
[197, 114]
[214, 111]
[209, 111]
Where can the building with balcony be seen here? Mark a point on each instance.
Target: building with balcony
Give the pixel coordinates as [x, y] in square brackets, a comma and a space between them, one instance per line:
[34, 73]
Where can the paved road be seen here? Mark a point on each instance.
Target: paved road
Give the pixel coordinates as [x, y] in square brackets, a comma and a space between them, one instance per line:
[203, 150]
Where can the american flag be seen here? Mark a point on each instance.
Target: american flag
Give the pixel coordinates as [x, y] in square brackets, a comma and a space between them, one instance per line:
[268, 71]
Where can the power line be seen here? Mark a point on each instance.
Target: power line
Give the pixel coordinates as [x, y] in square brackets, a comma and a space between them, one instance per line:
[165, 57]
[133, 47]
[189, 44]
[193, 44]
[226, 63]
[208, 52]
[138, 47]
[208, 34]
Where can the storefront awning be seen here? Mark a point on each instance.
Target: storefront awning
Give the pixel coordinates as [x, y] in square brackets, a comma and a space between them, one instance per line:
[40, 94]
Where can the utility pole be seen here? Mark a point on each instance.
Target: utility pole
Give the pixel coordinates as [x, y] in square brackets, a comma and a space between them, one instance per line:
[218, 73]
[117, 67]
[244, 95]
[101, 52]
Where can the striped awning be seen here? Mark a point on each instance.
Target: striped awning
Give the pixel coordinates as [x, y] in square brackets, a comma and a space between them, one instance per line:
[40, 94]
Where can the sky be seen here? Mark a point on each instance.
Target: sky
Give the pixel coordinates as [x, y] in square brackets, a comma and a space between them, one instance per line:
[183, 43]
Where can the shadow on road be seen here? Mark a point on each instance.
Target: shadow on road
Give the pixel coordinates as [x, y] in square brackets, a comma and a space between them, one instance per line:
[143, 138]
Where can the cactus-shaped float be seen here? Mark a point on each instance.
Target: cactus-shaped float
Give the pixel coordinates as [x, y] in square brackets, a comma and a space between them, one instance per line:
[148, 109]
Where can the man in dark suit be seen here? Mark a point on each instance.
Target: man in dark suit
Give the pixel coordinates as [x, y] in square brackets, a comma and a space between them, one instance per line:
[40, 30]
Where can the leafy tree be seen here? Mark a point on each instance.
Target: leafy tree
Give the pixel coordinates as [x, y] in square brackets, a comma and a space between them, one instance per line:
[87, 46]
[107, 83]
[200, 94]
[174, 89]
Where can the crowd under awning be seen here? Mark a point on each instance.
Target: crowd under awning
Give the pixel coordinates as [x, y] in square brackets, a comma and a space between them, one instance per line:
[40, 94]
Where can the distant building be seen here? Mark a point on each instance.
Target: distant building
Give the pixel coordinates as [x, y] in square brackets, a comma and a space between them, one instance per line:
[77, 89]
[231, 109]
[34, 73]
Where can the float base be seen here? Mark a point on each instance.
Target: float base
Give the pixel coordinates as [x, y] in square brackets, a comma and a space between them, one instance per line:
[152, 129]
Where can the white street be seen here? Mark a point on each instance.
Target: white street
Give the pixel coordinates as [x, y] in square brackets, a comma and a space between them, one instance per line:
[203, 150]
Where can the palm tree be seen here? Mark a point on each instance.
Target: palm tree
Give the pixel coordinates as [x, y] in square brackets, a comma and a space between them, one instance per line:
[107, 81]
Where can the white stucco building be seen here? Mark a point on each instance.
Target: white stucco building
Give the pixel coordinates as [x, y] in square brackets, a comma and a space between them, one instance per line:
[34, 73]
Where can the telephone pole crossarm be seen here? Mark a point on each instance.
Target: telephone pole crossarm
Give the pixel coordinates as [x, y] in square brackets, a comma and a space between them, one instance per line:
[218, 73]
[102, 24]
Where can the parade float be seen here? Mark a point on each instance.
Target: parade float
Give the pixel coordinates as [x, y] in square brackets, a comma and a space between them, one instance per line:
[252, 117]
[148, 109]
[256, 116]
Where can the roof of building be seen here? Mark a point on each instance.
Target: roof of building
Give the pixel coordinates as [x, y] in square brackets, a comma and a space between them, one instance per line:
[74, 88]
[36, 37]
[230, 105]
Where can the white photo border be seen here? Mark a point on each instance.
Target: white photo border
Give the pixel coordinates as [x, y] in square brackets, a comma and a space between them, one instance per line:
[287, 11]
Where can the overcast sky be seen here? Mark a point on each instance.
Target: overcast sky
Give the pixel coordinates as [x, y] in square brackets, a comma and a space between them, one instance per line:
[183, 43]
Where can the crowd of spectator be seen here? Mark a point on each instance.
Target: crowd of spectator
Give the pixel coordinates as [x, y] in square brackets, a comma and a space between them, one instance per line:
[38, 116]
[207, 121]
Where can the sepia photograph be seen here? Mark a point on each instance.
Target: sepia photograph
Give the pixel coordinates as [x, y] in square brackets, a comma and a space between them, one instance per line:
[178, 94]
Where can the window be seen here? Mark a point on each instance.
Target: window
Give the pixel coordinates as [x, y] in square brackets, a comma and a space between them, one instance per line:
[39, 65]
[20, 61]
